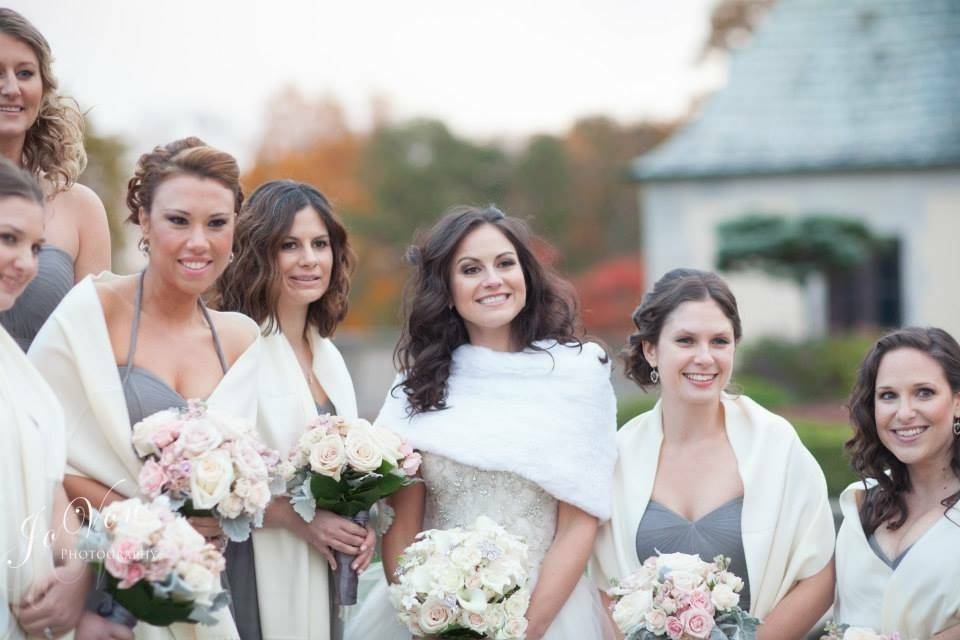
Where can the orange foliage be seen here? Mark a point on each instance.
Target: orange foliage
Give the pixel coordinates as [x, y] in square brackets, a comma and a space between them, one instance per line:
[609, 293]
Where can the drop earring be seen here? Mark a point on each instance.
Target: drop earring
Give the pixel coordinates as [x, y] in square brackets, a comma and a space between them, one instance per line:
[654, 375]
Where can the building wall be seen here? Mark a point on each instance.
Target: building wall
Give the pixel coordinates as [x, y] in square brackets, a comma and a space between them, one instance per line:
[922, 208]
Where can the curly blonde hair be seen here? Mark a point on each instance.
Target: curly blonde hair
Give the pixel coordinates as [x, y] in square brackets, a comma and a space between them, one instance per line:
[53, 147]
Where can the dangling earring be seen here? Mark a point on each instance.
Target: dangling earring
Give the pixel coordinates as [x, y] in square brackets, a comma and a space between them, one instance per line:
[956, 427]
[144, 246]
[654, 375]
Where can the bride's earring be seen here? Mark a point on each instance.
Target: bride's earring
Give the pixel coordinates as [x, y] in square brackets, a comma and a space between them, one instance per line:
[654, 375]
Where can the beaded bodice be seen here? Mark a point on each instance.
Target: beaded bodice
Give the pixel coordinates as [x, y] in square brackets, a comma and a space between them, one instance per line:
[457, 494]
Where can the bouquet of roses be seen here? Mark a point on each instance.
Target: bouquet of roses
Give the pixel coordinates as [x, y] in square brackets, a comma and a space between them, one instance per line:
[346, 466]
[153, 565]
[835, 631]
[681, 597]
[464, 583]
[208, 464]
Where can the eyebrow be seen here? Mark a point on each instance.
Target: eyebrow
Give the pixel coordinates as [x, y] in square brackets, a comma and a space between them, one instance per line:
[505, 253]
[12, 227]
[188, 214]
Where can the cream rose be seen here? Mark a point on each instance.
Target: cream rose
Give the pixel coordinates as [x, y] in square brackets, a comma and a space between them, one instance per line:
[517, 604]
[210, 479]
[145, 430]
[327, 456]
[363, 454]
[473, 621]
[198, 437]
[131, 519]
[389, 442]
[435, 616]
[248, 460]
[655, 621]
[202, 582]
[495, 616]
[513, 629]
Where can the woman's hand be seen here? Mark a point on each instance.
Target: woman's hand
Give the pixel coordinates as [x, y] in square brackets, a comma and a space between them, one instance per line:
[94, 627]
[366, 551]
[54, 602]
[210, 529]
[328, 532]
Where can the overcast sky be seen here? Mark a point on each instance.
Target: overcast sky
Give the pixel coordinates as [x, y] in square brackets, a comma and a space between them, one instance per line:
[154, 71]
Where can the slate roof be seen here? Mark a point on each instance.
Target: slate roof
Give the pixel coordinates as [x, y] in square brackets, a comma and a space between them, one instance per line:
[829, 85]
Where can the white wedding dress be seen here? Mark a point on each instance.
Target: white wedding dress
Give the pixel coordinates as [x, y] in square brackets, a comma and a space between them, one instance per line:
[456, 495]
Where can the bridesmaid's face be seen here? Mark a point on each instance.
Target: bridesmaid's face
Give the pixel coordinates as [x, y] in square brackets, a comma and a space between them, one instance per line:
[305, 260]
[21, 234]
[190, 231]
[694, 354]
[487, 286]
[914, 407]
[21, 87]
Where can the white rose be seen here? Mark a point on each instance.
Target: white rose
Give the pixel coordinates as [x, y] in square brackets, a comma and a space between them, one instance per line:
[495, 579]
[513, 629]
[733, 581]
[327, 456]
[724, 597]
[181, 535]
[861, 633]
[389, 442]
[630, 610]
[199, 580]
[363, 454]
[465, 557]
[229, 425]
[683, 562]
[210, 479]
[495, 616]
[258, 497]
[131, 519]
[448, 579]
[685, 580]
[435, 616]
[516, 605]
[198, 437]
[655, 621]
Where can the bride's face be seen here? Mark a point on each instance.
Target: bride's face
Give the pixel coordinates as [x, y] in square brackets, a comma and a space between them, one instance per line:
[487, 286]
[21, 234]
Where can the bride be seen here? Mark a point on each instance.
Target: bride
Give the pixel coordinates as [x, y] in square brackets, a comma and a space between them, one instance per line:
[514, 415]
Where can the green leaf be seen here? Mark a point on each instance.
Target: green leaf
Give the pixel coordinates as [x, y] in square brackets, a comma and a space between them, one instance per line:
[142, 603]
[326, 489]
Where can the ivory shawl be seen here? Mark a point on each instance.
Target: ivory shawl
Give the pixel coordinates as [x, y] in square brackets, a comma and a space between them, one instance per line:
[787, 524]
[32, 459]
[74, 354]
[298, 610]
[549, 416]
[919, 598]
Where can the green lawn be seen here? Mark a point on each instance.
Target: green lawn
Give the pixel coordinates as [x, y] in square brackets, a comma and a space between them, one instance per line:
[823, 439]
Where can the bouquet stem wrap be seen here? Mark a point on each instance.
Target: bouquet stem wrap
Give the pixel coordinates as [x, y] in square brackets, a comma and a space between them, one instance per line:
[108, 607]
[345, 577]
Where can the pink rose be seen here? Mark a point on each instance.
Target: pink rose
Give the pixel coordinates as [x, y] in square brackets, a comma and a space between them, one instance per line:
[411, 464]
[165, 435]
[700, 600]
[135, 573]
[405, 449]
[152, 478]
[697, 622]
[674, 627]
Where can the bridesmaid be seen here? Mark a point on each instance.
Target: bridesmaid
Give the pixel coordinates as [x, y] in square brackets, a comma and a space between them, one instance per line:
[44, 135]
[292, 276]
[897, 560]
[42, 586]
[710, 473]
[106, 350]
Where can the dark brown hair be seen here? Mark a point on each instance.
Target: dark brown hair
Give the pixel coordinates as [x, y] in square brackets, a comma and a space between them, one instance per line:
[670, 291]
[432, 330]
[53, 146]
[870, 459]
[17, 183]
[249, 283]
[189, 156]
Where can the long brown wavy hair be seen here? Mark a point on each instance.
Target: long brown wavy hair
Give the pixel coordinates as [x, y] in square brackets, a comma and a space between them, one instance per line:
[249, 285]
[53, 147]
[432, 329]
[870, 459]
[669, 292]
